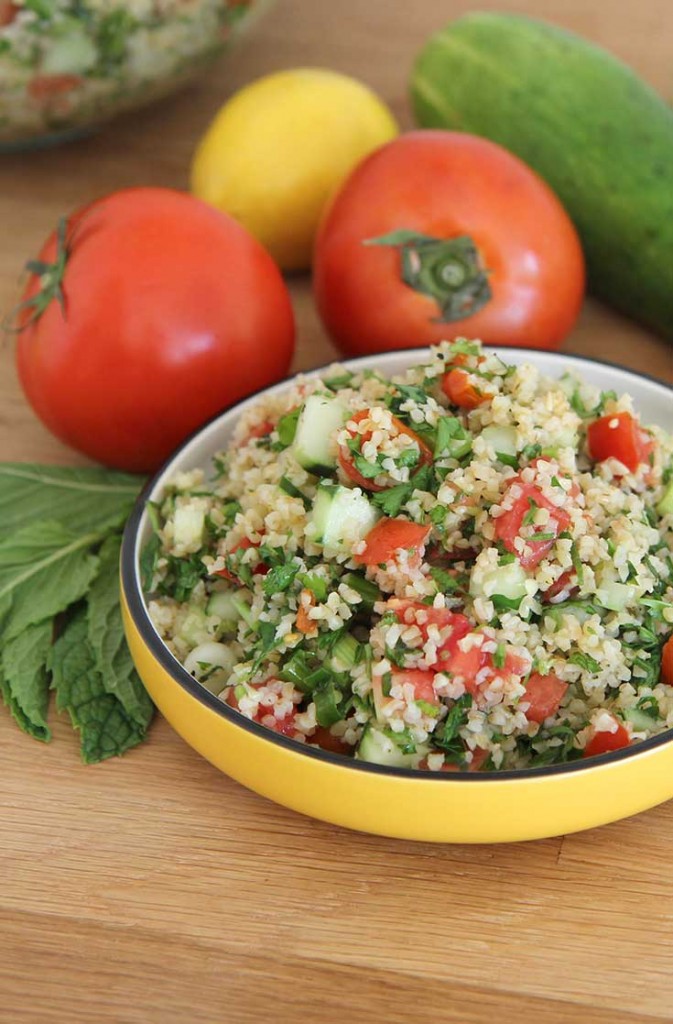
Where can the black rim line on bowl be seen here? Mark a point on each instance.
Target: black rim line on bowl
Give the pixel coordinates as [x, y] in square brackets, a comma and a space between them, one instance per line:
[136, 603]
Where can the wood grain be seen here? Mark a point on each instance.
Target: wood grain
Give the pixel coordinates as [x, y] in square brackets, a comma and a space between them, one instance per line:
[155, 889]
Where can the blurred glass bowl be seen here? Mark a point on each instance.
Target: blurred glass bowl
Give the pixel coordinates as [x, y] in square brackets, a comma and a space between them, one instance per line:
[67, 65]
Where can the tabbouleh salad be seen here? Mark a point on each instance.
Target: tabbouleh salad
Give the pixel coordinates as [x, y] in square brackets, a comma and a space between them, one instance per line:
[466, 567]
[67, 63]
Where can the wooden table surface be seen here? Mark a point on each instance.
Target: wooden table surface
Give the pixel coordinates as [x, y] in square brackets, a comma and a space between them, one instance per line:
[154, 889]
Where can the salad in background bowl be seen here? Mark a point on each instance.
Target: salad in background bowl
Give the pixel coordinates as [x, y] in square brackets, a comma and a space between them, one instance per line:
[66, 66]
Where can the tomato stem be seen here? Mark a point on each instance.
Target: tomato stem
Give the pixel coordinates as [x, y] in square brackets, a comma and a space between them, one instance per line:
[51, 285]
[448, 270]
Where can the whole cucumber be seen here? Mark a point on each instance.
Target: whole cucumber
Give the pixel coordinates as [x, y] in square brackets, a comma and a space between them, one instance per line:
[586, 123]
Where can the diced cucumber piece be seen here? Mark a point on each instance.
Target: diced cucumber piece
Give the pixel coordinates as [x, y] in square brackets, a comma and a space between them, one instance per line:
[313, 445]
[241, 601]
[222, 603]
[341, 516]
[188, 527]
[640, 721]
[508, 581]
[616, 596]
[345, 654]
[72, 53]
[665, 506]
[377, 748]
[193, 629]
[211, 663]
[503, 441]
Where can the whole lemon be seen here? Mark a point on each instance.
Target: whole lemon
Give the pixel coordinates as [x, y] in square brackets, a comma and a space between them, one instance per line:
[280, 147]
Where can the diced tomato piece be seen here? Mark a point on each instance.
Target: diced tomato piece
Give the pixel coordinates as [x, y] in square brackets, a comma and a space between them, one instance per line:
[439, 557]
[460, 389]
[422, 682]
[8, 12]
[544, 695]
[285, 726]
[260, 569]
[46, 87]
[390, 536]
[324, 739]
[562, 589]
[347, 462]
[260, 430]
[508, 526]
[602, 742]
[304, 622]
[619, 437]
[667, 662]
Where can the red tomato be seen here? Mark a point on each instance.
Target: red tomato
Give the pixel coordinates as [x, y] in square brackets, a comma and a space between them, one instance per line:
[171, 312]
[261, 569]
[667, 662]
[508, 526]
[461, 390]
[388, 536]
[562, 589]
[544, 694]
[487, 251]
[346, 457]
[261, 430]
[45, 88]
[421, 681]
[8, 12]
[602, 742]
[324, 739]
[619, 437]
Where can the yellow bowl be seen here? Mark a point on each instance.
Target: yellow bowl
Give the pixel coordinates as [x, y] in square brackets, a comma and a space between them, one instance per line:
[483, 807]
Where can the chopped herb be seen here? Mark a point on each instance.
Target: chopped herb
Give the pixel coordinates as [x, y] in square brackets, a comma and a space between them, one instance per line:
[230, 510]
[266, 643]
[340, 380]
[327, 698]
[288, 487]
[585, 661]
[408, 457]
[577, 562]
[453, 440]
[447, 731]
[505, 604]
[500, 656]
[531, 451]
[287, 427]
[446, 582]
[386, 683]
[529, 517]
[649, 706]
[392, 499]
[431, 710]
[367, 469]
[403, 740]
[280, 578]
[316, 584]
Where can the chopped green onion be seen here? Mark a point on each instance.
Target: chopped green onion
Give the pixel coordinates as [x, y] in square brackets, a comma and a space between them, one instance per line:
[288, 487]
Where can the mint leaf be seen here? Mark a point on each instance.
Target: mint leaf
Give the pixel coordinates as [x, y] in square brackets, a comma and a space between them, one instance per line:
[105, 727]
[44, 568]
[84, 499]
[23, 679]
[106, 637]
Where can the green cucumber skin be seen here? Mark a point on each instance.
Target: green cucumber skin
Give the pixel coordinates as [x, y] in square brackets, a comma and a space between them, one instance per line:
[586, 123]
